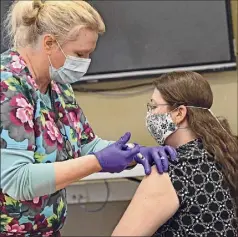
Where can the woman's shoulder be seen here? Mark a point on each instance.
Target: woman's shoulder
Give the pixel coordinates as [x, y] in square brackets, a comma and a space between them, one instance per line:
[15, 75]
[193, 158]
[11, 61]
[195, 168]
[194, 154]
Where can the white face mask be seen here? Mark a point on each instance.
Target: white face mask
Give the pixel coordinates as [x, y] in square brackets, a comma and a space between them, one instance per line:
[160, 126]
[73, 69]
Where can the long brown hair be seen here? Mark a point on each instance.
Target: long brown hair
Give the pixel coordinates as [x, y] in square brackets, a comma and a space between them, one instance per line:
[191, 89]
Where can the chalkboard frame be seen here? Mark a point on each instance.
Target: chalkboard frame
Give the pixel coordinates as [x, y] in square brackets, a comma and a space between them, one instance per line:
[153, 72]
[229, 65]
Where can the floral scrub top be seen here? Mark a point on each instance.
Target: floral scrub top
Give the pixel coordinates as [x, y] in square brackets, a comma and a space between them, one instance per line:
[28, 124]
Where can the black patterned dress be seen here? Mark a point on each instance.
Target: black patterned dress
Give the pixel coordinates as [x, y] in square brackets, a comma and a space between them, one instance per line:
[207, 208]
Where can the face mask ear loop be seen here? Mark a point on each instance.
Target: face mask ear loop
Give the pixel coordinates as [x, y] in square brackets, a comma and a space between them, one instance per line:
[51, 67]
[61, 49]
[50, 61]
[212, 115]
[173, 110]
[218, 121]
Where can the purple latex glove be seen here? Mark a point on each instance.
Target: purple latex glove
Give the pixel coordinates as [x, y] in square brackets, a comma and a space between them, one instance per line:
[115, 158]
[149, 156]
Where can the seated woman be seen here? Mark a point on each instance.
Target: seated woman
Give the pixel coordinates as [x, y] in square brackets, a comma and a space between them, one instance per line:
[199, 195]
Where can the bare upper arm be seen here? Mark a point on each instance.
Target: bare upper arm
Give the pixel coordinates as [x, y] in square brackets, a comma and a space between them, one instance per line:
[154, 202]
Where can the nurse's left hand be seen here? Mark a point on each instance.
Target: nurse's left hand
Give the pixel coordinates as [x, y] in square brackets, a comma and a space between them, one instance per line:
[158, 156]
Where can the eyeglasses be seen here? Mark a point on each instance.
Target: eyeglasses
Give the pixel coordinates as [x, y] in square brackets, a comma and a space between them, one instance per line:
[151, 106]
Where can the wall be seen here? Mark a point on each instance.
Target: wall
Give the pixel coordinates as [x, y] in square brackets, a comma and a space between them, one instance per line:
[234, 12]
[110, 117]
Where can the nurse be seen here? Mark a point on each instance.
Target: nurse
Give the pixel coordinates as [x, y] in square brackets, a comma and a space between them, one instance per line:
[43, 129]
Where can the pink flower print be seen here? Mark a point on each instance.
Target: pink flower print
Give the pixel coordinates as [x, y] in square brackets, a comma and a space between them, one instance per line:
[32, 81]
[56, 88]
[31, 147]
[74, 120]
[17, 63]
[52, 134]
[88, 132]
[50, 116]
[37, 128]
[23, 114]
[3, 88]
[36, 200]
[61, 113]
[49, 233]
[16, 228]
[36, 203]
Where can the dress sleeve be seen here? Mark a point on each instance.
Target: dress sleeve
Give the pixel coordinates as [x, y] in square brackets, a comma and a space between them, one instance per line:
[21, 178]
[95, 145]
[178, 176]
[17, 114]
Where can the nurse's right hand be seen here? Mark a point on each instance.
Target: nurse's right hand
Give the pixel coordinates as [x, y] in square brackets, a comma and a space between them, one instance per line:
[115, 158]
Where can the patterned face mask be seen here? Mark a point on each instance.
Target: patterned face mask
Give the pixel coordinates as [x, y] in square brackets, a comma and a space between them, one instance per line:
[160, 126]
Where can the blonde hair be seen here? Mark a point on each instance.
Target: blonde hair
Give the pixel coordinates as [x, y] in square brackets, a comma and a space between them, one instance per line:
[26, 21]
